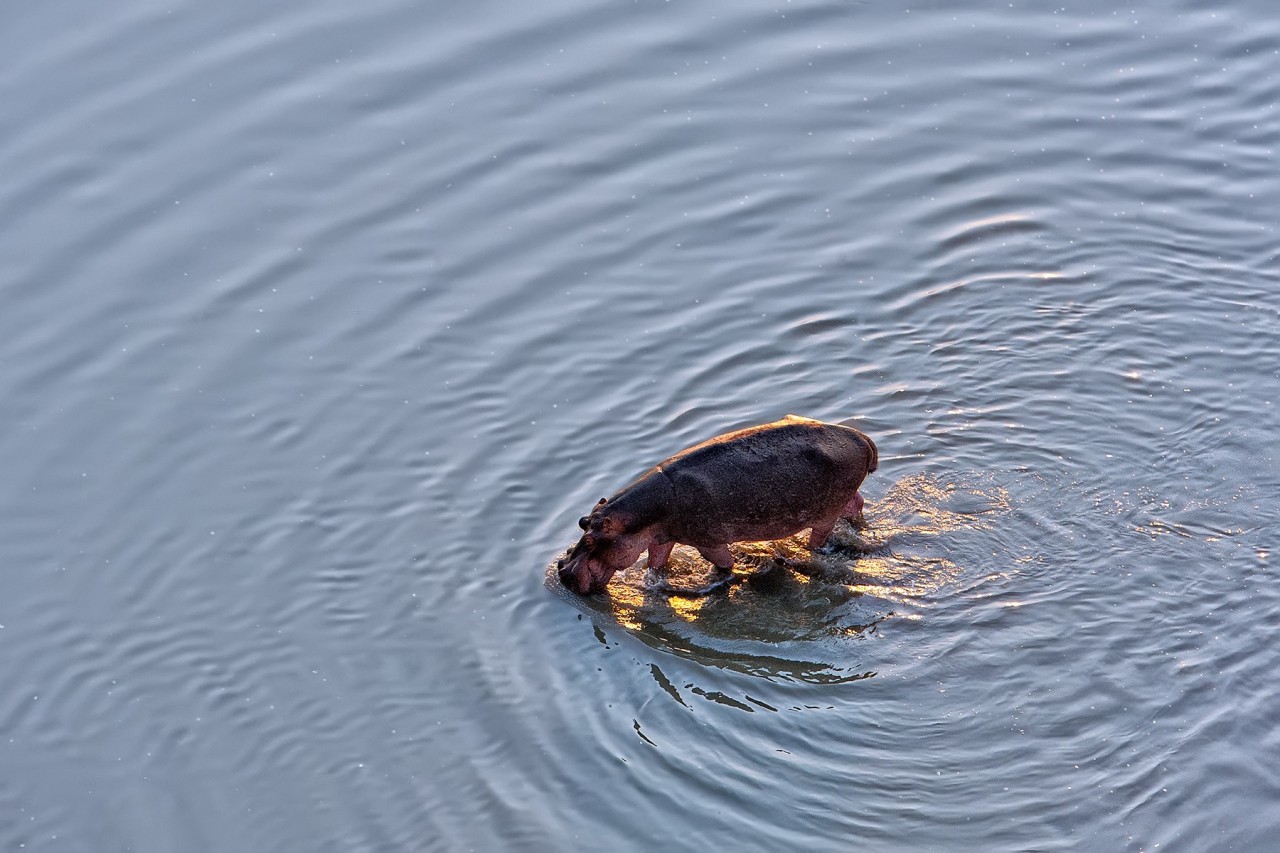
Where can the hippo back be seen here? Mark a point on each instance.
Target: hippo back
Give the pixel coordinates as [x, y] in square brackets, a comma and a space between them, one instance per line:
[765, 482]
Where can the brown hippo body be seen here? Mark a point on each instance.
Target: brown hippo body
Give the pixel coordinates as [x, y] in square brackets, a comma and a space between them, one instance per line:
[760, 483]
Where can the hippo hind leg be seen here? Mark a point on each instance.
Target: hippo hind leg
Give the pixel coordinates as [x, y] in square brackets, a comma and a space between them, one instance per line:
[819, 533]
[853, 509]
[821, 530]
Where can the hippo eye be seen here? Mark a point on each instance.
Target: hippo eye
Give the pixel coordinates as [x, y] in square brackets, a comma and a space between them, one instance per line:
[582, 522]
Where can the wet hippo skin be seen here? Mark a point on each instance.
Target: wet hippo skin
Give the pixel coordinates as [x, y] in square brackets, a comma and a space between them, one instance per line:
[763, 482]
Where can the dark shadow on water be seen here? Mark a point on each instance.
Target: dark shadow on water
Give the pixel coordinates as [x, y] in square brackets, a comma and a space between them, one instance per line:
[796, 614]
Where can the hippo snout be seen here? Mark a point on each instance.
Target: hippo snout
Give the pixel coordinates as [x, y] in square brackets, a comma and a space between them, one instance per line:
[569, 576]
[572, 581]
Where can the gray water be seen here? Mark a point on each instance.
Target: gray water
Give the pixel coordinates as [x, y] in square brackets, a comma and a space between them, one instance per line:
[321, 324]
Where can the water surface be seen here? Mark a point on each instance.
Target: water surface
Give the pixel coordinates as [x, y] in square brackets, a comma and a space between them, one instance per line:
[321, 325]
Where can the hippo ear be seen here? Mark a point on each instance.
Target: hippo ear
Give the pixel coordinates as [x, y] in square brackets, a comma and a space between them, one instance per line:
[602, 500]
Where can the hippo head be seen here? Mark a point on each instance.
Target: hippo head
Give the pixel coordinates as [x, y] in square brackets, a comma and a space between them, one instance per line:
[606, 547]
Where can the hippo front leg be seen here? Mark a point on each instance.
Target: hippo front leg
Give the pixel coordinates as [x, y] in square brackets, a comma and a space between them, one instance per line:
[720, 557]
[656, 566]
[658, 554]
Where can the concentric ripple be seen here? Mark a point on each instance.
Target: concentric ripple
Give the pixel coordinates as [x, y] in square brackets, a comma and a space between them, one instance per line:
[321, 323]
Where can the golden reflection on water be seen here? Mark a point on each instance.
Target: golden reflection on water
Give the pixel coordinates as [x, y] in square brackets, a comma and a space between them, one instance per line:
[886, 558]
[687, 608]
[794, 612]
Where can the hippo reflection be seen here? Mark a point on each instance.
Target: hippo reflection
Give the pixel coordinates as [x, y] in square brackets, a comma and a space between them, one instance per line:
[763, 482]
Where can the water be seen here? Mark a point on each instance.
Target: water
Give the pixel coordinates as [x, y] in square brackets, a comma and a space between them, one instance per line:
[323, 323]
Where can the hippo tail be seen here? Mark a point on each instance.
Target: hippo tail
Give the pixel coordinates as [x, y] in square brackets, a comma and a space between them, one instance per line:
[873, 452]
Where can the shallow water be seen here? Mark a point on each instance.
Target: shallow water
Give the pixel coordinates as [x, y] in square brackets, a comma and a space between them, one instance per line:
[322, 324]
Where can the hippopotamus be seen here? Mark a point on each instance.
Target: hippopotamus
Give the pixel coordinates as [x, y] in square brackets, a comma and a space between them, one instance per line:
[759, 483]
